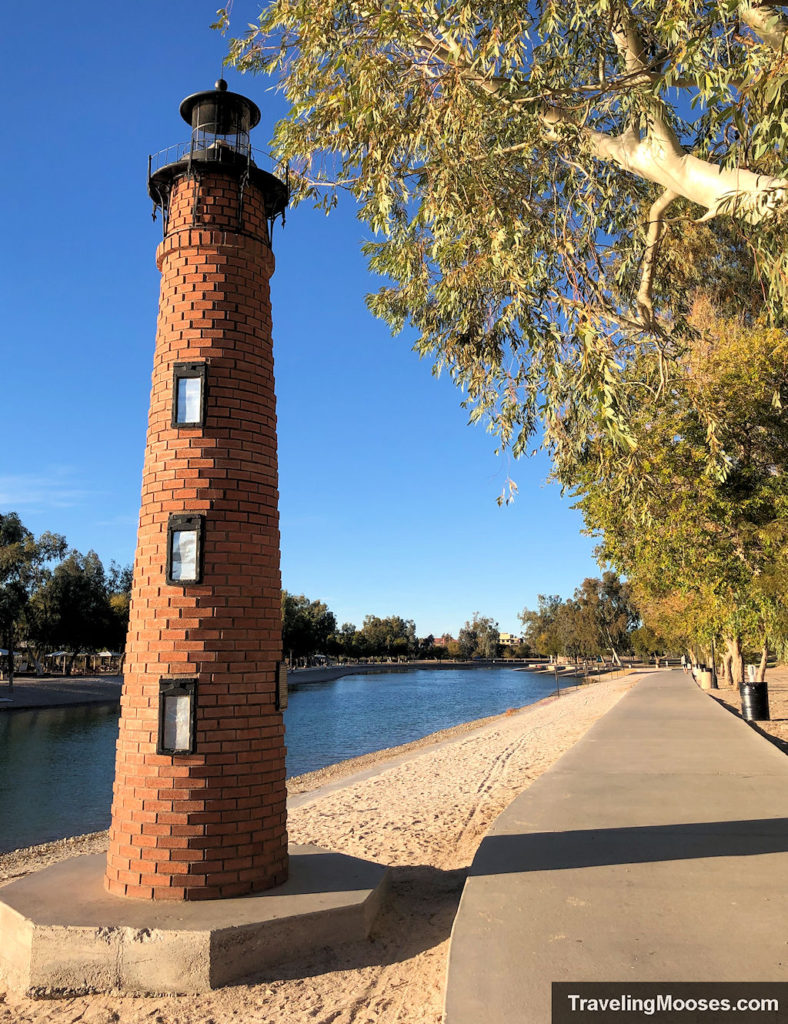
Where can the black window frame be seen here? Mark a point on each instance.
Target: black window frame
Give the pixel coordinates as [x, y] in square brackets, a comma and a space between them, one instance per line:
[185, 522]
[181, 371]
[177, 687]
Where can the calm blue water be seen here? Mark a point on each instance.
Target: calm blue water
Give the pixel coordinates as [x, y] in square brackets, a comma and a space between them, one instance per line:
[56, 771]
[330, 722]
[57, 765]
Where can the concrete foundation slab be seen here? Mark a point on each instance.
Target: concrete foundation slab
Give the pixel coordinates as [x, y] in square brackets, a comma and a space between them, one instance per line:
[60, 931]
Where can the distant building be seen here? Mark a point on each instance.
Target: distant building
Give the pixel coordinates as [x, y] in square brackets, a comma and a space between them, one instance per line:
[509, 639]
[444, 641]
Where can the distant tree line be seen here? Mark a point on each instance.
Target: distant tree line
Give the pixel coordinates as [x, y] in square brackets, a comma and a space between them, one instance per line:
[309, 630]
[53, 598]
[600, 620]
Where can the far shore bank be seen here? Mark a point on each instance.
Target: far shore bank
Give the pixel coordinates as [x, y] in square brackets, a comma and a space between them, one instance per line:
[325, 674]
[38, 693]
[566, 673]
[31, 692]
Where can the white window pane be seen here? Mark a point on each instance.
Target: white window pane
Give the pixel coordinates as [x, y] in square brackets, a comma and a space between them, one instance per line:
[189, 390]
[176, 722]
[184, 555]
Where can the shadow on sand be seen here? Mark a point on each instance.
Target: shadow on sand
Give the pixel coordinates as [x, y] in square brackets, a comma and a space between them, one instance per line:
[417, 915]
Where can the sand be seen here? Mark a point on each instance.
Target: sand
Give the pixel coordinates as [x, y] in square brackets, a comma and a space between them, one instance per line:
[423, 815]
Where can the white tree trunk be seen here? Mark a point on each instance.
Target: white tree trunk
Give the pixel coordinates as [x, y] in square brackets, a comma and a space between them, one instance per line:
[734, 653]
[718, 190]
[760, 676]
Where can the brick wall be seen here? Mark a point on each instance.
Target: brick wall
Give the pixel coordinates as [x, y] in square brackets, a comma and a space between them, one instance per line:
[209, 824]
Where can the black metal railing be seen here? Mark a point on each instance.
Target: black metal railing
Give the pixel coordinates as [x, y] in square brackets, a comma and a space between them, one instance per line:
[214, 147]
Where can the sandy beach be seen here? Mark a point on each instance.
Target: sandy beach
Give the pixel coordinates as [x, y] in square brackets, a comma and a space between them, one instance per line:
[424, 815]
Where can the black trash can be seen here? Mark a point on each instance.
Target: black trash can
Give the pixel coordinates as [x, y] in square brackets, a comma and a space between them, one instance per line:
[754, 702]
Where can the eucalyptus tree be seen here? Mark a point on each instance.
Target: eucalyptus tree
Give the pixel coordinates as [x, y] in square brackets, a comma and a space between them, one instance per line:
[607, 610]
[705, 552]
[306, 626]
[23, 569]
[646, 643]
[79, 614]
[479, 638]
[597, 620]
[541, 627]
[391, 636]
[520, 165]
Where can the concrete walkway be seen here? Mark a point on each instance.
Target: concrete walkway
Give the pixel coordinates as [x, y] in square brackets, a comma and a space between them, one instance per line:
[656, 849]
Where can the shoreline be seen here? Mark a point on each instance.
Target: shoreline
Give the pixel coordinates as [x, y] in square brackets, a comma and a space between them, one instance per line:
[341, 772]
[310, 781]
[303, 786]
[43, 693]
[422, 809]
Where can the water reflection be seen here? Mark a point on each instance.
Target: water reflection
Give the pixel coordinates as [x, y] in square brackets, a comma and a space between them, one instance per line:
[56, 769]
[330, 722]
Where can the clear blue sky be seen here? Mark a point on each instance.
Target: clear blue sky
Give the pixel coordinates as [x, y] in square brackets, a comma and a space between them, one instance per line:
[387, 496]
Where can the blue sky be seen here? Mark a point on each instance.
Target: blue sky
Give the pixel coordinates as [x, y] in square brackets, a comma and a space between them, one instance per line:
[387, 496]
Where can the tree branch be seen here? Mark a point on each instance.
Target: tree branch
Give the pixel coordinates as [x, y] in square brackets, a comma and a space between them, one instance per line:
[630, 46]
[770, 25]
[659, 157]
[656, 229]
[735, 191]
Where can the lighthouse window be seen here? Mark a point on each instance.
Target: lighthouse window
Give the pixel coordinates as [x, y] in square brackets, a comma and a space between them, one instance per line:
[177, 706]
[188, 395]
[184, 549]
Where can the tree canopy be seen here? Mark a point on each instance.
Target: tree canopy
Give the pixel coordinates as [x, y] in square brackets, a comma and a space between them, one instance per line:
[479, 637]
[306, 625]
[78, 597]
[521, 166]
[598, 620]
[54, 598]
[389, 637]
[23, 568]
[705, 552]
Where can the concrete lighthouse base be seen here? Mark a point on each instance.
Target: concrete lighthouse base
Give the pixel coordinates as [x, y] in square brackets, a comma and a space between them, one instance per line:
[61, 932]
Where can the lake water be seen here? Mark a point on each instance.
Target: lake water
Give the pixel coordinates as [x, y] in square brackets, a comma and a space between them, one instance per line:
[57, 765]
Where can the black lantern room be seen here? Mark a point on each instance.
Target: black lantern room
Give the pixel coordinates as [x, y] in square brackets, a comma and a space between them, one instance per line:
[221, 122]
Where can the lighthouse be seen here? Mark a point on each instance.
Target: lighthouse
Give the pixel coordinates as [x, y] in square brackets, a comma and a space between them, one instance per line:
[199, 888]
[199, 797]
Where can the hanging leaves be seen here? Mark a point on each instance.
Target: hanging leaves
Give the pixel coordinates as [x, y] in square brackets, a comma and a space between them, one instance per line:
[505, 158]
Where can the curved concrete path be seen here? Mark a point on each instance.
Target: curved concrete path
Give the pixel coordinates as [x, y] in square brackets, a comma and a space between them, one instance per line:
[656, 849]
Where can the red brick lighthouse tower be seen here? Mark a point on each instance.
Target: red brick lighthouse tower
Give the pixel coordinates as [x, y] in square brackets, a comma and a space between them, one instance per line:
[199, 797]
